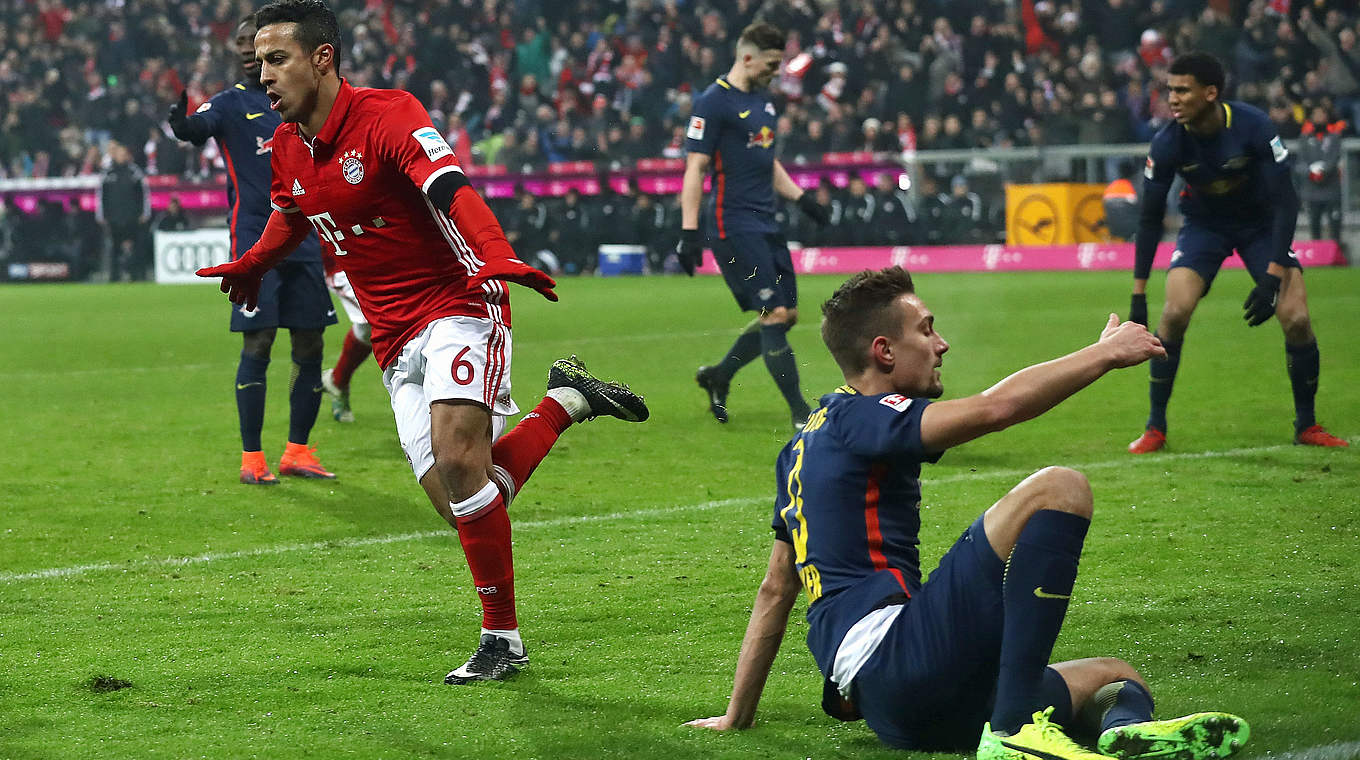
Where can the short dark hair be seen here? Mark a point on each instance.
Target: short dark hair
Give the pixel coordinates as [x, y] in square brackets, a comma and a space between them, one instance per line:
[862, 309]
[316, 24]
[763, 36]
[249, 18]
[1205, 68]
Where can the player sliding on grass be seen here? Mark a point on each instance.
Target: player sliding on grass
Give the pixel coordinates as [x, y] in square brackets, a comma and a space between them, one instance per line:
[429, 264]
[1238, 196]
[960, 661]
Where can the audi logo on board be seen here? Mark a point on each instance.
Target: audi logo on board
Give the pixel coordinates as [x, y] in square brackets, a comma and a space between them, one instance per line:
[187, 258]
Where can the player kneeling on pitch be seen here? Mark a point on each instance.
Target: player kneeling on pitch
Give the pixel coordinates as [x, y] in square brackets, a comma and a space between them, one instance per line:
[960, 661]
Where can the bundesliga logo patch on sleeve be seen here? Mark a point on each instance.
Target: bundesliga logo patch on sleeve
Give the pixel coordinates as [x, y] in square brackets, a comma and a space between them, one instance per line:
[896, 402]
[1278, 149]
[432, 142]
[696, 128]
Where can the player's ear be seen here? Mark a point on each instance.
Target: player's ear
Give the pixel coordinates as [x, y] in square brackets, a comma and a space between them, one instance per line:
[324, 57]
[881, 353]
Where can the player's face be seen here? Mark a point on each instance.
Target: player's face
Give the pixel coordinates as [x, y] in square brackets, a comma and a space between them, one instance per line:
[762, 66]
[245, 47]
[1189, 100]
[918, 352]
[289, 75]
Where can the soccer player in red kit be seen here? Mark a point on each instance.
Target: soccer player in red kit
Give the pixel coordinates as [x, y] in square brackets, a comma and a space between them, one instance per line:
[429, 264]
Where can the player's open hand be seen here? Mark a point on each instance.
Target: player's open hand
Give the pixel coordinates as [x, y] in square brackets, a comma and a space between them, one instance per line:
[511, 269]
[717, 723]
[1131, 342]
[1260, 303]
[240, 281]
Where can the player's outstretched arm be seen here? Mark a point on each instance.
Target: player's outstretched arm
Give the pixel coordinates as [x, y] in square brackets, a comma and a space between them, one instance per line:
[1038, 388]
[241, 278]
[769, 619]
[470, 214]
[186, 126]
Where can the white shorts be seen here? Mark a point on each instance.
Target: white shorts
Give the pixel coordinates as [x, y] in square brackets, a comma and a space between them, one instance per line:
[339, 285]
[452, 358]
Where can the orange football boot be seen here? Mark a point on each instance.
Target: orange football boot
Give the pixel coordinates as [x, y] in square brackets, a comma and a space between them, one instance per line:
[300, 461]
[1151, 440]
[255, 470]
[1317, 436]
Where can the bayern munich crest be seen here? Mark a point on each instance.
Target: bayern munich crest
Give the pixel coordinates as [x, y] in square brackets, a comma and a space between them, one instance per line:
[352, 166]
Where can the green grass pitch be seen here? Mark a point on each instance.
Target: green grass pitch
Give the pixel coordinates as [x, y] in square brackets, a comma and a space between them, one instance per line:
[317, 619]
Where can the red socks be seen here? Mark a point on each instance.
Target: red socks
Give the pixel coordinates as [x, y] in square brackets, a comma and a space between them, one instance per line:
[520, 450]
[352, 354]
[485, 536]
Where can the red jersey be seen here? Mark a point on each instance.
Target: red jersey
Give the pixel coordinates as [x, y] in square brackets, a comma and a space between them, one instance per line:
[361, 183]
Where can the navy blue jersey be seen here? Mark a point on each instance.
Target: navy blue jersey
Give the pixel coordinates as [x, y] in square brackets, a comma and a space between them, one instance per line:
[736, 129]
[243, 124]
[849, 498]
[1231, 178]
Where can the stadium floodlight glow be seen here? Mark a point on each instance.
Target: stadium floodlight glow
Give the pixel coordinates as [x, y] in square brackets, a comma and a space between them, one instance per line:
[904, 181]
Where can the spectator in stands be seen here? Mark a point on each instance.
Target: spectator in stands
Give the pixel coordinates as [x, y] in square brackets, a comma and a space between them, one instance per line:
[1319, 163]
[173, 219]
[895, 220]
[528, 228]
[124, 208]
[8, 226]
[571, 236]
[1121, 202]
[859, 215]
[653, 226]
[961, 214]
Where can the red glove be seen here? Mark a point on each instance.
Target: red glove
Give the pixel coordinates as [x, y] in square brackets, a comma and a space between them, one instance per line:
[240, 280]
[511, 269]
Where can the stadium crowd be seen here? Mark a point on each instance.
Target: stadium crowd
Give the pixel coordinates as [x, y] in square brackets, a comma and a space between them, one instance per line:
[528, 83]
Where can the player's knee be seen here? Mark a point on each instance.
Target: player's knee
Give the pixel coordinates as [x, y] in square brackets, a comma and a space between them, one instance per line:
[779, 315]
[363, 333]
[1175, 318]
[1298, 328]
[307, 345]
[1113, 670]
[1064, 489]
[258, 343]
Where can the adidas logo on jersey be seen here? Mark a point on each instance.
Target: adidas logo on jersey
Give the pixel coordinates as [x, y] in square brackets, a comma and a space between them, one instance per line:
[297, 188]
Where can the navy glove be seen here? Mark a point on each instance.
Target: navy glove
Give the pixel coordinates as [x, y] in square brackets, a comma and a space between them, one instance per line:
[178, 117]
[815, 211]
[1138, 309]
[689, 251]
[1260, 303]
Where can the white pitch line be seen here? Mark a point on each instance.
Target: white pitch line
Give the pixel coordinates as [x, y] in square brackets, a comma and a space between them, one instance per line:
[348, 543]
[1338, 751]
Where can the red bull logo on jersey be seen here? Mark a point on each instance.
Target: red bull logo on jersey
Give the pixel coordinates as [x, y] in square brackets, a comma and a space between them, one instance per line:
[763, 139]
[264, 145]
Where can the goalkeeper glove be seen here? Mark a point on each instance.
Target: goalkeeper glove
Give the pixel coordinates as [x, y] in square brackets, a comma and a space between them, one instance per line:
[1138, 309]
[815, 211]
[1260, 303]
[689, 251]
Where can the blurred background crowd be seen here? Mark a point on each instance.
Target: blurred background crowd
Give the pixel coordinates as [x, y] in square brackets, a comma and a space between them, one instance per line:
[527, 83]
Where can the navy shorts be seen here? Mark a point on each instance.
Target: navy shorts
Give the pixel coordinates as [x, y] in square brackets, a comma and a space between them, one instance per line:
[931, 683]
[1204, 249]
[293, 295]
[758, 270]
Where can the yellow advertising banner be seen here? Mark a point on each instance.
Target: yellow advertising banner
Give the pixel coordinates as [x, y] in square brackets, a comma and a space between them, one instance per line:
[1055, 213]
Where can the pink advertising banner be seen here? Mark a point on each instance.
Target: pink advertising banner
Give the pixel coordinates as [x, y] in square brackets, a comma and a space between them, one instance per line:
[1008, 258]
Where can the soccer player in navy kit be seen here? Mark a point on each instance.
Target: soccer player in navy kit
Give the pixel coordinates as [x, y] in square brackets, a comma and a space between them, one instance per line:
[1238, 195]
[294, 294]
[732, 132]
[961, 660]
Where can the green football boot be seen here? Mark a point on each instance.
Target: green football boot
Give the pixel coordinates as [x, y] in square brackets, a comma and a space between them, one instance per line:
[1040, 739]
[1202, 736]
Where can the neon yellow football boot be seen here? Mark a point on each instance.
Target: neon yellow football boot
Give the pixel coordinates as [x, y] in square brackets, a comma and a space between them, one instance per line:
[1040, 739]
[1202, 736]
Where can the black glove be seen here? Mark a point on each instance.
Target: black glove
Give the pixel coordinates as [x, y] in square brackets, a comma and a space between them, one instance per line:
[1260, 303]
[815, 211]
[689, 251]
[178, 117]
[1138, 309]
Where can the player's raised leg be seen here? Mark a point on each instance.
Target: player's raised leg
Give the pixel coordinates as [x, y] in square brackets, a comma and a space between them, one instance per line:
[574, 395]
[1302, 358]
[1038, 529]
[1184, 288]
